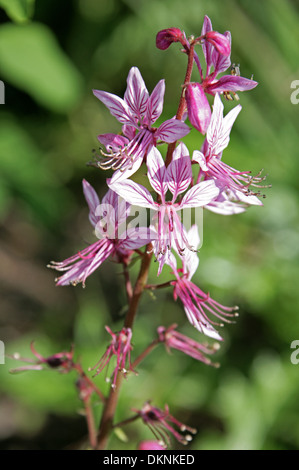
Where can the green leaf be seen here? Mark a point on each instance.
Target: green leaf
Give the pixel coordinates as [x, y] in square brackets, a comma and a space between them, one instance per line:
[25, 177]
[19, 11]
[31, 59]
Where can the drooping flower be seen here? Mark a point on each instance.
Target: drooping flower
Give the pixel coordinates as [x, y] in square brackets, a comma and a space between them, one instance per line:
[63, 361]
[138, 111]
[210, 158]
[162, 423]
[120, 347]
[176, 178]
[108, 219]
[175, 340]
[198, 305]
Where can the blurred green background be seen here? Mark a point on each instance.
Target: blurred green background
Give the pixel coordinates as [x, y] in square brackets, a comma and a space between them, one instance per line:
[52, 54]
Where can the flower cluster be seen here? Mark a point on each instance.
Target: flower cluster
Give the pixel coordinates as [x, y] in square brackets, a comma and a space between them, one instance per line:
[175, 183]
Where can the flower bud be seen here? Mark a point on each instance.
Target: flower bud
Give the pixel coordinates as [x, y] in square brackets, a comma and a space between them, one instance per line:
[167, 36]
[199, 111]
[220, 41]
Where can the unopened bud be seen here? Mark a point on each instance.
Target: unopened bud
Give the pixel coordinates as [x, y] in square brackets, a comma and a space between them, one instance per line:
[167, 36]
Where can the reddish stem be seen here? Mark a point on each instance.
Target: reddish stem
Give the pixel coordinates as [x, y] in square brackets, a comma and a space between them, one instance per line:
[81, 372]
[90, 424]
[111, 403]
[158, 286]
[126, 421]
[145, 353]
[128, 284]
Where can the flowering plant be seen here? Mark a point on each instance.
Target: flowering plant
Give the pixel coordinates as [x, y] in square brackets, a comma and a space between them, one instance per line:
[178, 182]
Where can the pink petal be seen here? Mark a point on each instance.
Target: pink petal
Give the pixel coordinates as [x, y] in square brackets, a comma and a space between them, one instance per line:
[120, 209]
[199, 158]
[179, 173]
[219, 41]
[117, 107]
[225, 207]
[200, 194]
[156, 172]
[92, 201]
[199, 111]
[231, 83]
[122, 175]
[137, 237]
[136, 95]
[155, 102]
[113, 142]
[133, 193]
[206, 46]
[220, 61]
[129, 131]
[171, 131]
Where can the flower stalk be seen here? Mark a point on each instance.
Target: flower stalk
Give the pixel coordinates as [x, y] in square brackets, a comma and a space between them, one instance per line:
[216, 187]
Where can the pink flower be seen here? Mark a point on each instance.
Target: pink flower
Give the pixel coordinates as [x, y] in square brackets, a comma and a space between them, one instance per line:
[161, 423]
[62, 361]
[151, 445]
[175, 340]
[211, 164]
[176, 178]
[198, 305]
[120, 347]
[108, 219]
[138, 111]
[217, 55]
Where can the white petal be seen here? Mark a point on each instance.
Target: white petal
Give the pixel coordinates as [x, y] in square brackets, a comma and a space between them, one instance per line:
[200, 194]
[133, 193]
[156, 172]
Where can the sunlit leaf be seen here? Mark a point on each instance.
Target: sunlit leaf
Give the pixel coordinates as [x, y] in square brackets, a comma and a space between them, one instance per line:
[32, 60]
[19, 11]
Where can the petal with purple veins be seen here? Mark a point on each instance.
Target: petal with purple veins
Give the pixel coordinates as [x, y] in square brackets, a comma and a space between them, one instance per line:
[200, 194]
[136, 95]
[171, 131]
[117, 107]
